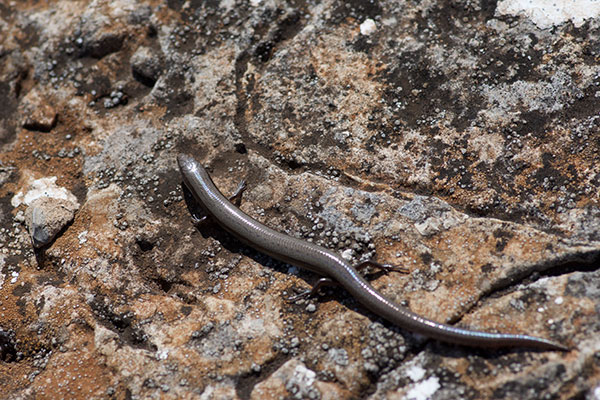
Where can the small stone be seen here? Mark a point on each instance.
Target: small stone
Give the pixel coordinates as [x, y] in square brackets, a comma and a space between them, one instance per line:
[38, 114]
[46, 217]
[368, 27]
[146, 66]
[255, 368]
[99, 44]
[347, 254]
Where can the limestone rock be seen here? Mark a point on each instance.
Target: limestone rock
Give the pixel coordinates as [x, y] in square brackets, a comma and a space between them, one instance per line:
[457, 140]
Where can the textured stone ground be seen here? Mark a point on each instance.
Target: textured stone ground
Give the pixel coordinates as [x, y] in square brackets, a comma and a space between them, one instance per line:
[449, 138]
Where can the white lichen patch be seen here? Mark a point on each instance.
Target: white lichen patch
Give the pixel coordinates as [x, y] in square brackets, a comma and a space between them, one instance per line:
[43, 187]
[415, 373]
[549, 13]
[423, 390]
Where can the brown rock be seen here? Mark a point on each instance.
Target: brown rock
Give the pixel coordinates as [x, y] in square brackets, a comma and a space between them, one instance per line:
[38, 113]
[446, 139]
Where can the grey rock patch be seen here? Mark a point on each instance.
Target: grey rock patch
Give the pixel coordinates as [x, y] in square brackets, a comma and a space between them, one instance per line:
[421, 208]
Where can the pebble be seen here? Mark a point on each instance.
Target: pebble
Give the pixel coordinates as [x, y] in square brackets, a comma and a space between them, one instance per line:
[368, 27]
[46, 217]
[146, 66]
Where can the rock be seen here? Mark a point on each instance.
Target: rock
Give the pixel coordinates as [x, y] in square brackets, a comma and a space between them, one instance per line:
[99, 44]
[293, 380]
[50, 209]
[38, 112]
[368, 27]
[46, 217]
[40, 188]
[458, 141]
[146, 66]
[100, 33]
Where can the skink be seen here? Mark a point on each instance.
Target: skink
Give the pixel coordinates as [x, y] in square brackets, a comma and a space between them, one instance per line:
[325, 262]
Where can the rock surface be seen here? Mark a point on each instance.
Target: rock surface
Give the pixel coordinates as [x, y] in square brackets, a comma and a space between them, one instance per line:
[453, 139]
